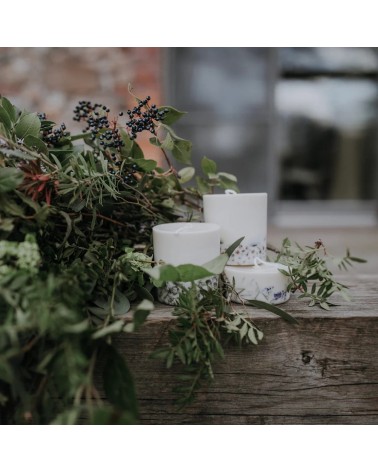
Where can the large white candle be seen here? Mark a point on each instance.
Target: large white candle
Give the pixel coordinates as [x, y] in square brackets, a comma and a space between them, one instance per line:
[239, 214]
[262, 281]
[186, 243]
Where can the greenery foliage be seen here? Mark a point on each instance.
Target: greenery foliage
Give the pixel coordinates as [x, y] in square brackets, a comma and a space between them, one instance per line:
[76, 268]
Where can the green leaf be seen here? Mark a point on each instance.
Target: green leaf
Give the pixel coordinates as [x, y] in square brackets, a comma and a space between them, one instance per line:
[5, 119]
[118, 382]
[10, 109]
[33, 142]
[77, 328]
[243, 331]
[115, 327]
[227, 183]
[186, 174]
[10, 178]
[233, 246]
[29, 124]
[217, 265]
[155, 142]
[172, 115]
[227, 176]
[121, 305]
[168, 143]
[140, 314]
[182, 150]
[252, 336]
[136, 151]
[273, 309]
[357, 259]
[164, 273]
[208, 166]
[147, 165]
[203, 185]
[180, 273]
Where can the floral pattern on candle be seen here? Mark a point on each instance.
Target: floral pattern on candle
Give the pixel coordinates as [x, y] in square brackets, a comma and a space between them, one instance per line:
[246, 253]
[263, 282]
[171, 291]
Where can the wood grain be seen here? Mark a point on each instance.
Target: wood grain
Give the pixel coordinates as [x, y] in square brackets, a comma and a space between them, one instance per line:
[322, 371]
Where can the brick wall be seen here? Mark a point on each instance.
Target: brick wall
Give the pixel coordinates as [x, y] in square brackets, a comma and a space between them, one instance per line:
[53, 80]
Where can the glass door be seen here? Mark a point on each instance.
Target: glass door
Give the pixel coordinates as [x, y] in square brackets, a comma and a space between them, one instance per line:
[327, 108]
[299, 123]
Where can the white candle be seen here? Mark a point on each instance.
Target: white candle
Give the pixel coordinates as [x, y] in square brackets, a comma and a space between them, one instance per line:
[186, 243]
[262, 281]
[239, 214]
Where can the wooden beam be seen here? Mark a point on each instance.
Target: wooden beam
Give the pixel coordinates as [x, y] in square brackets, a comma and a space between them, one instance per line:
[322, 371]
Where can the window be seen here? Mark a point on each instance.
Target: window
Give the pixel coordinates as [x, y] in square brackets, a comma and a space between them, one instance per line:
[299, 123]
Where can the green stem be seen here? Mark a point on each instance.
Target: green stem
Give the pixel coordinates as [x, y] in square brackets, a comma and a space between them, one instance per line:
[80, 136]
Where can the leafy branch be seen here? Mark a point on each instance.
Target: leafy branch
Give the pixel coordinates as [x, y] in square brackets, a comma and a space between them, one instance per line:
[309, 272]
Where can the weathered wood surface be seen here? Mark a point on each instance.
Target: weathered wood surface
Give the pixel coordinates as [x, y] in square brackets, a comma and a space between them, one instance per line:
[322, 371]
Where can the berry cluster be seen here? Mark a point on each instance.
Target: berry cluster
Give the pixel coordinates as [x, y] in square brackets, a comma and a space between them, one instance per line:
[95, 115]
[143, 117]
[52, 136]
[127, 173]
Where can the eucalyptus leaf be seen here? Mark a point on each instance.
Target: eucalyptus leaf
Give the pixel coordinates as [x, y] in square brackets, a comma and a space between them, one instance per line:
[252, 336]
[273, 309]
[186, 174]
[228, 177]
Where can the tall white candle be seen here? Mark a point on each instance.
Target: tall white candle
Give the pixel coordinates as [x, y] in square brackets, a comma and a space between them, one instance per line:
[263, 281]
[186, 243]
[239, 214]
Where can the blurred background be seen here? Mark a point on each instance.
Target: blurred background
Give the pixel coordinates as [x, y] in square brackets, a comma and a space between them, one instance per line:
[298, 123]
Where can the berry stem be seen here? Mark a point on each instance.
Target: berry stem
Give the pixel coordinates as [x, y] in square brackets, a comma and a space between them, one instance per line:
[80, 136]
[171, 168]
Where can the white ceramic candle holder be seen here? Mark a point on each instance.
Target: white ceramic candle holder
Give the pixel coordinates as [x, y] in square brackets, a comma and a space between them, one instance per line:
[263, 281]
[185, 243]
[239, 215]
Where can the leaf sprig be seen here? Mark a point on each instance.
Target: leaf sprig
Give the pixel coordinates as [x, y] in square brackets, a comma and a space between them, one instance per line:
[309, 272]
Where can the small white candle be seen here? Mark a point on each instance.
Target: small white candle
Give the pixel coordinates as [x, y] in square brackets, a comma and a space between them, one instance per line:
[238, 215]
[186, 243]
[262, 281]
